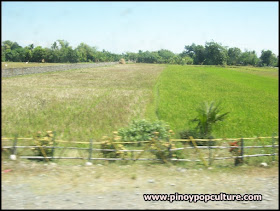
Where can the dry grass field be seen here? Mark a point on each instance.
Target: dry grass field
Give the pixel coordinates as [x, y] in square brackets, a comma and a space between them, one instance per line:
[77, 104]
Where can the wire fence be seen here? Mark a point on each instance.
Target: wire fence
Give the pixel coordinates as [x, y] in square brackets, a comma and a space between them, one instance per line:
[47, 149]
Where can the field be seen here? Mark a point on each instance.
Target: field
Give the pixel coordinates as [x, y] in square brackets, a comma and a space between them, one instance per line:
[90, 103]
[93, 102]
[249, 94]
[77, 104]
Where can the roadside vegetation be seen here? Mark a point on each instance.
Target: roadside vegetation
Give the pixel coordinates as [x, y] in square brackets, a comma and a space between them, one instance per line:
[211, 53]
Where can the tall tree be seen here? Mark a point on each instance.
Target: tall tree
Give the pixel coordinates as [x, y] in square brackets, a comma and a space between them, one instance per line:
[249, 58]
[215, 53]
[234, 55]
[196, 52]
[38, 54]
[268, 58]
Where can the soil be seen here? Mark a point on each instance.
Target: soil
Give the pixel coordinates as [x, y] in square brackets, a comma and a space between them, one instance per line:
[33, 185]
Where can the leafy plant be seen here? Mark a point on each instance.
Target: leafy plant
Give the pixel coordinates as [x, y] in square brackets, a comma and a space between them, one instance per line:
[42, 140]
[143, 130]
[208, 115]
[162, 148]
[109, 143]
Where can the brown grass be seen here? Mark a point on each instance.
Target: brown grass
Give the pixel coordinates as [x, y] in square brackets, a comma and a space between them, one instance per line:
[77, 104]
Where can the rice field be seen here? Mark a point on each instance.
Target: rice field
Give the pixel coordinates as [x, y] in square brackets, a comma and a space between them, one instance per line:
[90, 103]
[250, 94]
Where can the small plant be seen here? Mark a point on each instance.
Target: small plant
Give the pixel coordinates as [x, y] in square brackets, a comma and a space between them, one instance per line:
[162, 148]
[133, 176]
[208, 115]
[42, 140]
[109, 143]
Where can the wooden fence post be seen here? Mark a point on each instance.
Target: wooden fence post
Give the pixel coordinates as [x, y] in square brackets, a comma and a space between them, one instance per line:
[132, 155]
[90, 150]
[198, 151]
[53, 140]
[169, 149]
[210, 153]
[273, 147]
[242, 150]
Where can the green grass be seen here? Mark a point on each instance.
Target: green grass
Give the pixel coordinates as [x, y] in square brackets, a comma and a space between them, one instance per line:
[77, 104]
[249, 94]
[90, 103]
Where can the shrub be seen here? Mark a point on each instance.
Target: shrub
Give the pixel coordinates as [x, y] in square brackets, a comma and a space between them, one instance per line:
[161, 150]
[42, 140]
[108, 143]
[143, 130]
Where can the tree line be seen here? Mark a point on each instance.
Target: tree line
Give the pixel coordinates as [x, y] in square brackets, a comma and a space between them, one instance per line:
[212, 53]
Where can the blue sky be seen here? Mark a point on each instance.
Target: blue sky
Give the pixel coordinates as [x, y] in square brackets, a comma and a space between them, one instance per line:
[131, 26]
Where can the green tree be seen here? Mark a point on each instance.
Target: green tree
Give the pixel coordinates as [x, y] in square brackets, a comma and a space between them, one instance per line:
[268, 58]
[3, 56]
[38, 54]
[27, 54]
[86, 53]
[131, 56]
[234, 55]
[215, 54]
[196, 52]
[166, 55]
[249, 58]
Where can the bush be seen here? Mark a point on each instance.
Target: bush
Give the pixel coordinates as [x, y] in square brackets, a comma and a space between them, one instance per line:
[143, 130]
[161, 150]
[108, 143]
[42, 140]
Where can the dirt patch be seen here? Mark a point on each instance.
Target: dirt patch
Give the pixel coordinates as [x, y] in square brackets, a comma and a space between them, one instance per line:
[38, 186]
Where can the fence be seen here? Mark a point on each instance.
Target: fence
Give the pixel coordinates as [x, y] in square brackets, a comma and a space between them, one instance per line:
[33, 70]
[237, 149]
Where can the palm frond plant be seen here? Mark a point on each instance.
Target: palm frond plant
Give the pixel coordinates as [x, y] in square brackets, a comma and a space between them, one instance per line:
[208, 115]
